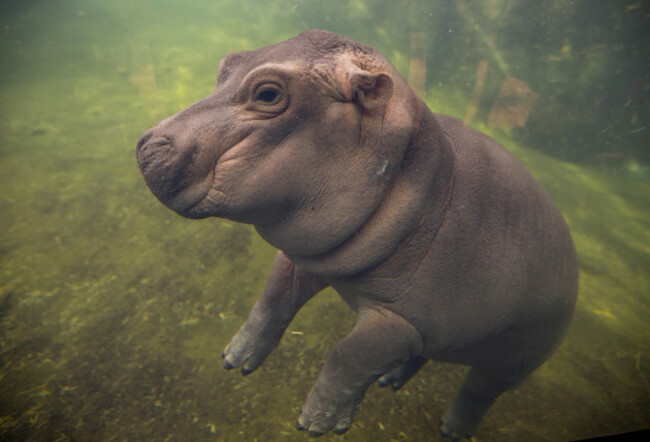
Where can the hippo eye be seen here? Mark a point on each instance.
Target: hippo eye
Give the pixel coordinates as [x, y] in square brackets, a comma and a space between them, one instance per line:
[268, 100]
[267, 96]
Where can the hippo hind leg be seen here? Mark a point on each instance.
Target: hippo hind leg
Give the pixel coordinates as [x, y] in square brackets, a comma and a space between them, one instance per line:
[488, 379]
[480, 390]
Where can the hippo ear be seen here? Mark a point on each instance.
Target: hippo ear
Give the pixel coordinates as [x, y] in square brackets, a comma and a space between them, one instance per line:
[371, 90]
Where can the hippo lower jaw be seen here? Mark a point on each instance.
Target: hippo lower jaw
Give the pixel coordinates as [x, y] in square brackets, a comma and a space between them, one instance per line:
[193, 204]
[207, 206]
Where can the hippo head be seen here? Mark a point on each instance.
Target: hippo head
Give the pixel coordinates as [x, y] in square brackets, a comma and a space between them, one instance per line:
[301, 139]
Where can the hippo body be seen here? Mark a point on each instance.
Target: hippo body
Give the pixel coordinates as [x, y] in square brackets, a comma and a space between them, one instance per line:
[441, 241]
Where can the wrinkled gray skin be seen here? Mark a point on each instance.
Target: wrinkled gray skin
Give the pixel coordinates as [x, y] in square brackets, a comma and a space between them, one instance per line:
[438, 238]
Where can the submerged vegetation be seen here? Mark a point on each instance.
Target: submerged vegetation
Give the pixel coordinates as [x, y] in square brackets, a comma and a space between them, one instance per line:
[113, 310]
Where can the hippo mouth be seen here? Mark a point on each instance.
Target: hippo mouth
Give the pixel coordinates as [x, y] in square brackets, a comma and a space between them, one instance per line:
[195, 201]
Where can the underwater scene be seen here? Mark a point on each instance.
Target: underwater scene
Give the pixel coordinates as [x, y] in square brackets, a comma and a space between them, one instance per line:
[114, 310]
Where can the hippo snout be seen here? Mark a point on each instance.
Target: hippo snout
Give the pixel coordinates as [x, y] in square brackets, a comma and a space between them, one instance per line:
[151, 149]
[167, 167]
[148, 150]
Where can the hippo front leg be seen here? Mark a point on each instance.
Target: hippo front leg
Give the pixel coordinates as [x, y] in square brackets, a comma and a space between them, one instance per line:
[287, 290]
[380, 342]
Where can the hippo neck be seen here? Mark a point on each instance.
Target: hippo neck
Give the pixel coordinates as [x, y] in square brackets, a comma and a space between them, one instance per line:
[422, 188]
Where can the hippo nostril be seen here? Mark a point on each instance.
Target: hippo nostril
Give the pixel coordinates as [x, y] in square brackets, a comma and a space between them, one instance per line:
[144, 138]
[158, 141]
[149, 140]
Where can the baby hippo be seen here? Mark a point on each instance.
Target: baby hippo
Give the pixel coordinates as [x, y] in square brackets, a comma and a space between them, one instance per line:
[440, 240]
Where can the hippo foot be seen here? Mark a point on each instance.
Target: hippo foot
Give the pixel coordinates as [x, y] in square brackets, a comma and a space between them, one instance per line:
[457, 428]
[319, 416]
[462, 418]
[249, 347]
[472, 402]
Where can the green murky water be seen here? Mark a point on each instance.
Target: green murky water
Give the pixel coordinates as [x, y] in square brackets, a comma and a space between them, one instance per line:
[113, 310]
